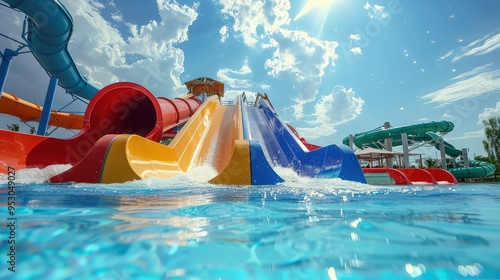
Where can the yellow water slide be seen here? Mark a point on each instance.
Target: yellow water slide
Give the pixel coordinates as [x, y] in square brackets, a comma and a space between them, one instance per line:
[213, 136]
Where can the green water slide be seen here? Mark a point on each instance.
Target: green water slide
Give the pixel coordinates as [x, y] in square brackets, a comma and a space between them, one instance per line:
[476, 169]
[416, 132]
[424, 132]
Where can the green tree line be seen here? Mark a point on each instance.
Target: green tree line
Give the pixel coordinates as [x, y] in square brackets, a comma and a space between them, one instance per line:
[492, 142]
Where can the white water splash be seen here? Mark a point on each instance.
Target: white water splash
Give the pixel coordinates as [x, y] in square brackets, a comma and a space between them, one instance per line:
[36, 175]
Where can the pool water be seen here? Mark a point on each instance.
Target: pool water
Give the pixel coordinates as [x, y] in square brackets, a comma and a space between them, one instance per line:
[303, 229]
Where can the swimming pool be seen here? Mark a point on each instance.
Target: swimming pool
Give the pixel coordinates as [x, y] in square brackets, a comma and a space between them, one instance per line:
[303, 229]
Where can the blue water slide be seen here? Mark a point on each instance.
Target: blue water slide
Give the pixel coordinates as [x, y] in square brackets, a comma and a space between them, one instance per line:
[49, 30]
[261, 171]
[283, 148]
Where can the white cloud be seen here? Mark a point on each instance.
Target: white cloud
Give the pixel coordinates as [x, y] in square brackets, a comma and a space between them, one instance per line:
[473, 72]
[378, 8]
[446, 116]
[482, 46]
[489, 113]
[297, 57]
[101, 52]
[117, 17]
[376, 11]
[255, 19]
[223, 33]
[230, 95]
[480, 80]
[446, 55]
[334, 109]
[298, 109]
[301, 59]
[233, 78]
[356, 50]
[355, 37]
[265, 87]
[238, 81]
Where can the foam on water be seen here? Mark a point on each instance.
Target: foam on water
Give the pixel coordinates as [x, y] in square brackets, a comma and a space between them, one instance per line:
[198, 175]
[304, 228]
[36, 175]
[335, 186]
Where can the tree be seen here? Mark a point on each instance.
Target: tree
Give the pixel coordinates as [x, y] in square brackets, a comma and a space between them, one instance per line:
[492, 142]
[482, 158]
[431, 163]
[13, 127]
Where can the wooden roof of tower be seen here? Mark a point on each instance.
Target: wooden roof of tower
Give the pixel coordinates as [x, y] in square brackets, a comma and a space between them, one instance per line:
[205, 85]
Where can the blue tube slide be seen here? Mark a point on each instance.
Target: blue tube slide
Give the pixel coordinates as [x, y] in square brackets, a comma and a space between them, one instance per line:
[49, 29]
[284, 149]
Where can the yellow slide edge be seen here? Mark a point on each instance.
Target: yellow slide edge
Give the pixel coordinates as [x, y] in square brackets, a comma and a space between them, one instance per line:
[237, 171]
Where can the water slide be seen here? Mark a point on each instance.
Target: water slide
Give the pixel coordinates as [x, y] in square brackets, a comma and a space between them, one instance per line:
[120, 108]
[476, 169]
[283, 148]
[375, 138]
[213, 137]
[49, 30]
[28, 111]
[124, 121]
[116, 109]
[225, 138]
[419, 133]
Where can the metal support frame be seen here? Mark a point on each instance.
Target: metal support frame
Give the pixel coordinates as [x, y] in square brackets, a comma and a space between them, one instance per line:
[5, 66]
[6, 60]
[47, 107]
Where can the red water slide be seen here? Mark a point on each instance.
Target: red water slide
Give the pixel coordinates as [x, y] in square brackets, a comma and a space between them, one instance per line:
[418, 175]
[120, 108]
[399, 177]
[442, 176]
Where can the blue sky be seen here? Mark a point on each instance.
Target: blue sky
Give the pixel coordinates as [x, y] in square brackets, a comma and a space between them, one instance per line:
[331, 68]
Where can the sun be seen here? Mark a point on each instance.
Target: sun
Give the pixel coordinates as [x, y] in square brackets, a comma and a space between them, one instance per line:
[311, 4]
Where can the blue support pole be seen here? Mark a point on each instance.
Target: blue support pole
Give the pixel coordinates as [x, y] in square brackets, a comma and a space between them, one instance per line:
[47, 107]
[5, 66]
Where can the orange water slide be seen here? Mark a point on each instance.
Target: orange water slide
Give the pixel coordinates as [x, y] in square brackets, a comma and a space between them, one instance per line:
[27, 111]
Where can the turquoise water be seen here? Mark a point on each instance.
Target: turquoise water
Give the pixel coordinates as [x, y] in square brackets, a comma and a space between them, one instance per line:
[303, 229]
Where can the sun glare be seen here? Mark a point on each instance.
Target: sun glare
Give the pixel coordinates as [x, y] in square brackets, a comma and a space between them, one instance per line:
[312, 4]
